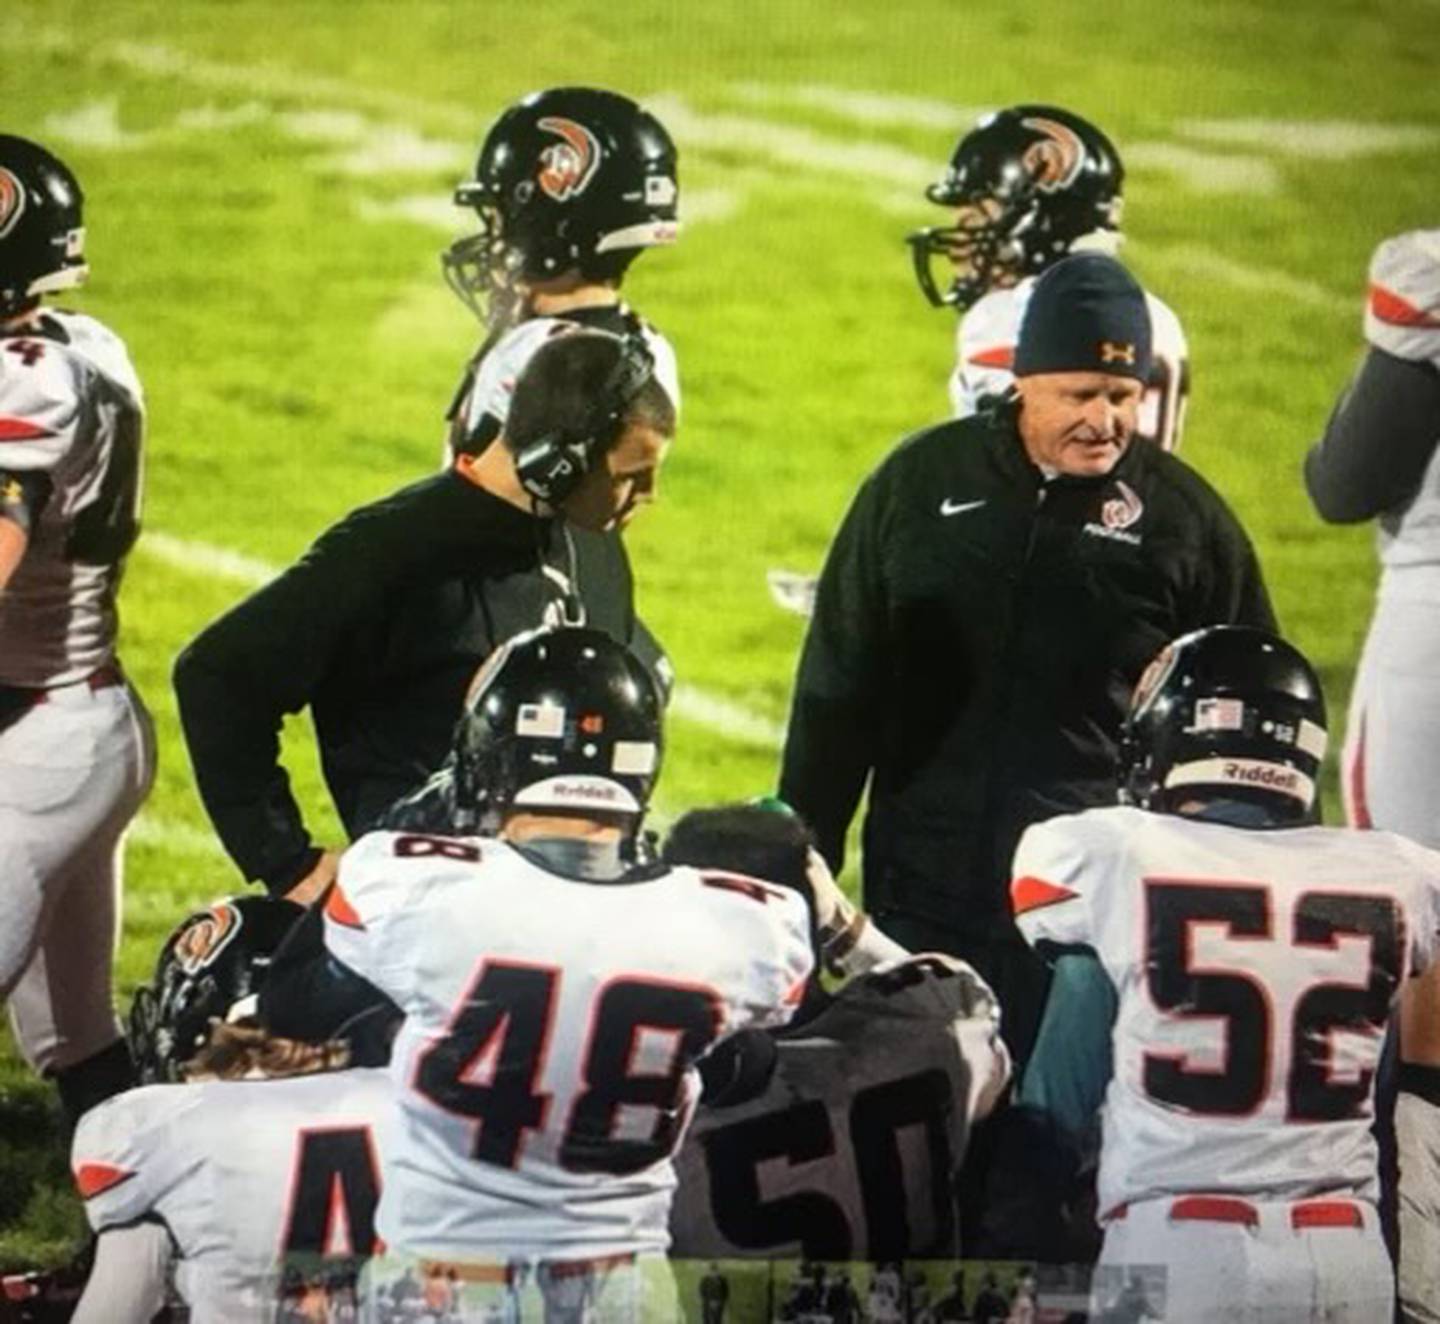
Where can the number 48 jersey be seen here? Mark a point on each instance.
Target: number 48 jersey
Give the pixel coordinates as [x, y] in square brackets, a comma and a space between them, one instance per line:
[71, 427]
[545, 1069]
[1256, 971]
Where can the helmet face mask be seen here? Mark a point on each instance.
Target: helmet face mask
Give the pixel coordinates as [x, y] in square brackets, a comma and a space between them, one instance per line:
[210, 968]
[42, 230]
[1227, 714]
[1036, 179]
[562, 720]
[569, 180]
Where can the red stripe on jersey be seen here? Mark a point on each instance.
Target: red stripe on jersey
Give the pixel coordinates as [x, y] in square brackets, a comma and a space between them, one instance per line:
[1326, 1213]
[1033, 893]
[999, 356]
[1390, 307]
[21, 429]
[338, 908]
[1214, 1209]
[1355, 774]
[92, 1179]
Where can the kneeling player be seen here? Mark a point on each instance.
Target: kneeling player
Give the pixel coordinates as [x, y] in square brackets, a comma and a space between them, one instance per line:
[557, 989]
[859, 1111]
[255, 1178]
[1253, 962]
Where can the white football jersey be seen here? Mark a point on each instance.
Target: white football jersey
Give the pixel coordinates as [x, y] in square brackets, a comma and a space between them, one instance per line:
[71, 408]
[862, 1126]
[243, 1174]
[1402, 317]
[985, 359]
[545, 1069]
[497, 372]
[1255, 970]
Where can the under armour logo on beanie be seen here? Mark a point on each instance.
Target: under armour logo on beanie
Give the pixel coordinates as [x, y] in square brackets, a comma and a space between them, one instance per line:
[1086, 314]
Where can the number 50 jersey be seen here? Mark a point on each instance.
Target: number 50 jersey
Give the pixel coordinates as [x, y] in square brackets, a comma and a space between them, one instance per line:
[545, 1069]
[1256, 971]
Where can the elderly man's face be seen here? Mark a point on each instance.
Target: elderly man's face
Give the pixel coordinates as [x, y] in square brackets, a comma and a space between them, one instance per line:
[1077, 422]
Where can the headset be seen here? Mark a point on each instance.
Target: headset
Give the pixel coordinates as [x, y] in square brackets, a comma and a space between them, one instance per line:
[552, 466]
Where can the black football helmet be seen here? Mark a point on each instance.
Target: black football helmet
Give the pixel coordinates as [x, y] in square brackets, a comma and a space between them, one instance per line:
[209, 969]
[1226, 713]
[42, 233]
[1046, 176]
[568, 178]
[561, 718]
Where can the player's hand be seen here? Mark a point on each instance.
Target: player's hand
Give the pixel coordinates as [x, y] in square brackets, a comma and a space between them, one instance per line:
[309, 888]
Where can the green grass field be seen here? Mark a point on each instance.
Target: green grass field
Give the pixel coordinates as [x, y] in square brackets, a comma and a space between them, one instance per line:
[268, 188]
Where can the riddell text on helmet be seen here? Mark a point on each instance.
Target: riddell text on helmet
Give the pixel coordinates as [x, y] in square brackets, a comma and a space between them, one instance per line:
[1262, 774]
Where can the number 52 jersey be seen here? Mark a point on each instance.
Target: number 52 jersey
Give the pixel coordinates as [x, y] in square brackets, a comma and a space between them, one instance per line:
[544, 1072]
[1256, 971]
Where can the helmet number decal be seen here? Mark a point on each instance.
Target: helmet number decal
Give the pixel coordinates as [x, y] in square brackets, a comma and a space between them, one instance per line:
[567, 166]
[12, 201]
[1054, 161]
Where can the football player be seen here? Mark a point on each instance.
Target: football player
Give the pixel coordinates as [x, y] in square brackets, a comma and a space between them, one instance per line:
[1377, 460]
[245, 1169]
[557, 988]
[1028, 185]
[76, 744]
[571, 185]
[858, 1132]
[1251, 962]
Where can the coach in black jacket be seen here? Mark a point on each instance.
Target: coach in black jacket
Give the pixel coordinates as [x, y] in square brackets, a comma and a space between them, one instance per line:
[381, 625]
[984, 613]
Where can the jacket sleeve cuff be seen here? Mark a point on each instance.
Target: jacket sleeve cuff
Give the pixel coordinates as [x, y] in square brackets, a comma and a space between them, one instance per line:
[280, 880]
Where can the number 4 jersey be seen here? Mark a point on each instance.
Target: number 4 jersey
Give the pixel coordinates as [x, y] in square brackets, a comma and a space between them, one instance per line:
[71, 424]
[1255, 970]
[545, 1068]
[244, 1174]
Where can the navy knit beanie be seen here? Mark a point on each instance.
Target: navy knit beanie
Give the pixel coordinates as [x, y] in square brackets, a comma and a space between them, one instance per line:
[1086, 314]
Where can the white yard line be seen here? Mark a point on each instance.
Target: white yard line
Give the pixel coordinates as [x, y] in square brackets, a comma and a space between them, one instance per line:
[1197, 260]
[714, 712]
[1205, 172]
[1324, 140]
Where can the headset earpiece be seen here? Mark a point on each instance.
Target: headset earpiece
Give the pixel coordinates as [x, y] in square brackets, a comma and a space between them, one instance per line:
[552, 466]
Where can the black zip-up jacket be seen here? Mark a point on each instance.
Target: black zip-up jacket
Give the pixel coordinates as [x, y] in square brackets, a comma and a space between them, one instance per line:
[976, 637]
[379, 628]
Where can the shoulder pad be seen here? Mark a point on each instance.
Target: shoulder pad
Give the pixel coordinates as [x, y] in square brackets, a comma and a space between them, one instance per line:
[1402, 312]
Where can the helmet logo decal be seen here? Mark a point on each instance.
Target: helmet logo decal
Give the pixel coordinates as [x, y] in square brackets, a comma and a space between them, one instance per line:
[567, 166]
[1120, 512]
[1054, 162]
[12, 201]
[204, 940]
